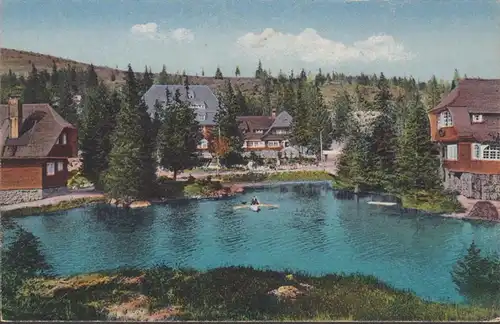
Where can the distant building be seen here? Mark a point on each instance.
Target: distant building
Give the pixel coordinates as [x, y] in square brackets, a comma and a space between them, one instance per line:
[266, 133]
[200, 98]
[35, 144]
[466, 124]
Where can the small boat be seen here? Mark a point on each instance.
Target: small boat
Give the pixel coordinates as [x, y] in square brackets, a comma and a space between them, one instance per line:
[382, 203]
[255, 208]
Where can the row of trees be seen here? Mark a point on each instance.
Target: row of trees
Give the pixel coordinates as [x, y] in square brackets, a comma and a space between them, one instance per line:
[391, 151]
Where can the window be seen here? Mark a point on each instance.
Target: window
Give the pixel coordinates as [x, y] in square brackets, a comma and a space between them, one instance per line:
[50, 168]
[476, 151]
[60, 166]
[256, 144]
[280, 131]
[203, 144]
[477, 118]
[491, 152]
[273, 144]
[259, 131]
[202, 117]
[63, 139]
[445, 119]
[451, 152]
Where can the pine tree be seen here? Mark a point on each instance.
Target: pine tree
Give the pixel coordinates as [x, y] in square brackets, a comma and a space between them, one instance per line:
[147, 80]
[92, 78]
[227, 122]
[218, 74]
[202, 72]
[131, 170]
[289, 99]
[95, 133]
[259, 73]
[474, 277]
[66, 106]
[163, 76]
[301, 131]
[434, 93]
[342, 116]
[35, 90]
[243, 109]
[237, 72]
[417, 163]
[321, 121]
[384, 134]
[179, 137]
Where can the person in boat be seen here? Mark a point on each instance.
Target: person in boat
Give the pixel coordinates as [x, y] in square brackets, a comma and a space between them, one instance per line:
[254, 201]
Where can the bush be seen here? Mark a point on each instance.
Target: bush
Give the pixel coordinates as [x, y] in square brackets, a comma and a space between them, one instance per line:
[168, 188]
[78, 181]
[433, 201]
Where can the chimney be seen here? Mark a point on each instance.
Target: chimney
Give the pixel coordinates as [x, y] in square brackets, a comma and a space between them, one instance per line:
[273, 113]
[15, 116]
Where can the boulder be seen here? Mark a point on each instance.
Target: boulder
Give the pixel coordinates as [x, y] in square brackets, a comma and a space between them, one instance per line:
[135, 309]
[140, 204]
[287, 292]
[484, 210]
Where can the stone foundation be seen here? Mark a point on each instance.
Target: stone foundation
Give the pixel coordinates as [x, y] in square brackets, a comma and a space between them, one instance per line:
[475, 186]
[9, 197]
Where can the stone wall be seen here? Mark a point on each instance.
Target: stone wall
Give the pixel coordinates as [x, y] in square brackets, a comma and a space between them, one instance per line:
[50, 192]
[9, 197]
[475, 186]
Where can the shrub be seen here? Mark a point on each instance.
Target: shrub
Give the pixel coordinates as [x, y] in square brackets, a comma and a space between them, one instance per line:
[78, 181]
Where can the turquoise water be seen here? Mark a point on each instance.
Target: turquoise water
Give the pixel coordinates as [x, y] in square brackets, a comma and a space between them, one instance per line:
[311, 231]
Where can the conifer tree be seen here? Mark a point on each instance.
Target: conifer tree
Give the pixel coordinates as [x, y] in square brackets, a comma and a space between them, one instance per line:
[92, 78]
[301, 131]
[163, 76]
[202, 72]
[147, 80]
[66, 106]
[95, 133]
[237, 72]
[417, 163]
[384, 134]
[433, 92]
[218, 74]
[179, 136]
[227, 122]
[259, 73]
[131, 172]
[35, 90]
[243, 109]
[289, 99]
[342, 116]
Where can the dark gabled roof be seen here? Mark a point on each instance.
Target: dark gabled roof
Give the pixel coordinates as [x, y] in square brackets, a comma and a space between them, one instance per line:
[479, 96]
[198, 95]
[40, 130]
[266, 123]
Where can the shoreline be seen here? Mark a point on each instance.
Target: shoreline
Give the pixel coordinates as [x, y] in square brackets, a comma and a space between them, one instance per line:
[74, 200]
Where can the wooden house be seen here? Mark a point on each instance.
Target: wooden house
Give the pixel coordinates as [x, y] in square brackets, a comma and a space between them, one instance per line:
[35, 144]
[466, 124]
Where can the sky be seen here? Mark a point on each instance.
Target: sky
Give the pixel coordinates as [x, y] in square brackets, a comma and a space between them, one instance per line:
[398, 37]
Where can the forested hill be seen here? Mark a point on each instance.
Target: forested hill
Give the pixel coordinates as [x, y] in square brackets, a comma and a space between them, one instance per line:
[21, 62]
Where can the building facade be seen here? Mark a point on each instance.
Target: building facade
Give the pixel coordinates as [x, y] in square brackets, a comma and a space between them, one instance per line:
[35, 144]
[466, 124]
[266, 133]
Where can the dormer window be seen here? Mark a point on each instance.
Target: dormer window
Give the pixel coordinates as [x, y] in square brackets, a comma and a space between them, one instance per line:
[63, 139]
[445, 119]
[202, 117]
[259, 131]
[477, 118]
[190, 94]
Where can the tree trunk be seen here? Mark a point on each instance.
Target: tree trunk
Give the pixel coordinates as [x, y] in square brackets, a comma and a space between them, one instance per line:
[175, 175]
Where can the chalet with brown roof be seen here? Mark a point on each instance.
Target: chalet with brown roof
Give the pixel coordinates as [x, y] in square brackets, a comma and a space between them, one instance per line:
[466, 124]
[266, 132]
[35, 144]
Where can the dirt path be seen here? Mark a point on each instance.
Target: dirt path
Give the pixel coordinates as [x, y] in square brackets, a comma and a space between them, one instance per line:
[52, 200]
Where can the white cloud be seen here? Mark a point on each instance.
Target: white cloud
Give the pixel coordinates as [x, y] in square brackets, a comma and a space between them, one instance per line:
[151, 31]
[183, 35]
[308, 46]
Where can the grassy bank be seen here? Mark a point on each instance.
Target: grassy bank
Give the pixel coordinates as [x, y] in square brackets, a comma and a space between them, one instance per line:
[432, 201]
[227, 293]
[63, 205]
[279, 176]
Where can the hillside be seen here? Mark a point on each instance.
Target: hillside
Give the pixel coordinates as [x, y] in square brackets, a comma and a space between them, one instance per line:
[19, 62]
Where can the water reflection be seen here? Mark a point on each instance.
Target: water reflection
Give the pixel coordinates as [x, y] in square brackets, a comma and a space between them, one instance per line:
[182, 223]
[231, 235]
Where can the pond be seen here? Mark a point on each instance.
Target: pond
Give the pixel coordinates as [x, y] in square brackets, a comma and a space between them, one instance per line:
[313, 230]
